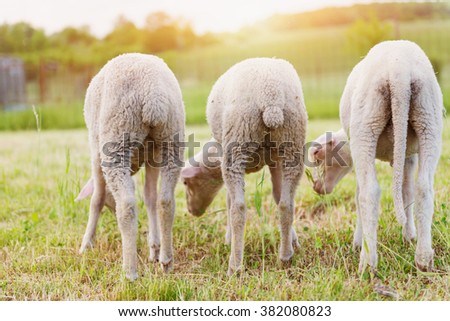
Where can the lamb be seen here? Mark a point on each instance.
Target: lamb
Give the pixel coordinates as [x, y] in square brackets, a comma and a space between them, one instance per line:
[134, 114]
[391, 109]
[254, 107]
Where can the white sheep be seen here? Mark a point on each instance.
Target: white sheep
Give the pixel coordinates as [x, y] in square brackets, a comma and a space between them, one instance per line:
[391, 109]
[134, 114]
[257, 113]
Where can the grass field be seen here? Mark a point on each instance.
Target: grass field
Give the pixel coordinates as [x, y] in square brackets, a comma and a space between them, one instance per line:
[41, 229]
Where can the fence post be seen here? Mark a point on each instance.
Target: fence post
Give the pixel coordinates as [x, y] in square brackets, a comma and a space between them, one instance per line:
[42, 82]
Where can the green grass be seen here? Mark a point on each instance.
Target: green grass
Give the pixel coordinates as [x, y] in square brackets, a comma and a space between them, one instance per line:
[41, 229]
[53, 116]
[195, 97]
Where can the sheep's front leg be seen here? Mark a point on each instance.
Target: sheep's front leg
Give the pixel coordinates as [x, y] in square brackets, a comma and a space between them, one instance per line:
[228, 232]
[290, 179]
[363, 152]
[166, 208]
[357, 236]
[276, 177]
[234, 180]
[96, 206]
[122, 188]
[150, 199]
[409, 230]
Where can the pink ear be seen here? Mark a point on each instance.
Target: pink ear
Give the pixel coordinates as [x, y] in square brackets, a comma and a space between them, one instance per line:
[189, 172]
[87, 190]
[332, 141]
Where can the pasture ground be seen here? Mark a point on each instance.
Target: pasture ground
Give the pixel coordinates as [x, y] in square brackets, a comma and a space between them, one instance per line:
[41, 229]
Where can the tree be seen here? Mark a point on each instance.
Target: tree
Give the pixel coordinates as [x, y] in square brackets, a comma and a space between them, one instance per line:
[125, 34]
[73, 36]
[21, 38]
[364, 34]
[162, 32]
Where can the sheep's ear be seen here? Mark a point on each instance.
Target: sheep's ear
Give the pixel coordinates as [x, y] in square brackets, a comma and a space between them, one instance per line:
[86, 191]
[331, 141]
[189, 172]
[319, 152]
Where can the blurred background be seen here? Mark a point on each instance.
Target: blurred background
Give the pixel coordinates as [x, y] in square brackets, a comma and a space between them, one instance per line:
[50, 50]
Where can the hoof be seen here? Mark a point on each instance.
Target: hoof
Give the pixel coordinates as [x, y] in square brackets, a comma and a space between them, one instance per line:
[234, 271]
[424, 267]
[372, 270]
[408, 240]
[132, 276]
[167, 266]
[286, 264]
[154, 253]
[363, 266]
[424, 262]
[356, 245]
[409, 233]
[368, 260]
[287, 257]
[86, 245]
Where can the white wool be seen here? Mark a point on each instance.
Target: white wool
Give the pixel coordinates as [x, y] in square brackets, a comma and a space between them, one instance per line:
[134, 94]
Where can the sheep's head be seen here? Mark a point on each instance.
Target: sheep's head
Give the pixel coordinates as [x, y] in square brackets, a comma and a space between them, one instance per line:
[202, 185]
[88, 190]
[332, 158]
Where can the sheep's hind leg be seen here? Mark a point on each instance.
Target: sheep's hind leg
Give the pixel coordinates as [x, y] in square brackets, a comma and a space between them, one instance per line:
[122, 187]
[409, 230]
[228, 232]
[150, 199]
[424, 206]
[424, 214]
[234, 180]
[357, 236]
[166, 208]
[426, 120]
[276, 176]
[96, 206]
[363, 146]
[290, 178]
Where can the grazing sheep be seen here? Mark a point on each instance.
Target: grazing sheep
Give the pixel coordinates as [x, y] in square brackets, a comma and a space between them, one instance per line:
[256, 103]
[391, 109]
[134, 96]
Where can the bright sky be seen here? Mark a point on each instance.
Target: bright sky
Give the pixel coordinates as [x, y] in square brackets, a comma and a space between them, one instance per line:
[205, 15]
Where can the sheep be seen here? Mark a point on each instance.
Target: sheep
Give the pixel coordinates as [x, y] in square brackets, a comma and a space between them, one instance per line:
[134, 114]
[254, 107]
[391, 109]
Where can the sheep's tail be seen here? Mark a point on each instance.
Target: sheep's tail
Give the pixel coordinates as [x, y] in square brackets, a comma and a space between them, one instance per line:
[273, 116]
[272, 103]
[400, 104]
